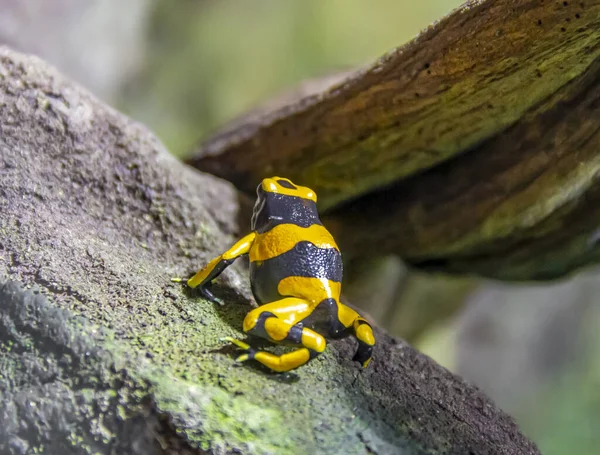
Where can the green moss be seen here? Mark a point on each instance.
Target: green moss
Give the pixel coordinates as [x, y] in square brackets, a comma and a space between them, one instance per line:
[223, 420]
[209, 415]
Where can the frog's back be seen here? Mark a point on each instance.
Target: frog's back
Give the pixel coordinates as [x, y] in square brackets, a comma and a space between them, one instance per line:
[293, 253]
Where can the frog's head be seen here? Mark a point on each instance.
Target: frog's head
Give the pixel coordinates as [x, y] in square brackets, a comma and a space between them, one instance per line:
[281, 200]
[280, 185]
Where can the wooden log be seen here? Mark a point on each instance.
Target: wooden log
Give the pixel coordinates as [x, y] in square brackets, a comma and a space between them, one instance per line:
[471, 149]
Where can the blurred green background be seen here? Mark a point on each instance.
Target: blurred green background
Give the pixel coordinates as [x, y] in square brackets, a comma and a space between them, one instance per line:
[186, 67]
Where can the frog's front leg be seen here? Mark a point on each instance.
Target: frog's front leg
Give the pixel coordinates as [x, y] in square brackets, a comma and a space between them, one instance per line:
[214, 268]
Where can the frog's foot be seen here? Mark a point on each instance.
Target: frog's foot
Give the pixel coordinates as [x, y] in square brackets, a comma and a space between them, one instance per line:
[208, 295]
[366, 341]
[277, 363]
[250, 351]
[202, 290]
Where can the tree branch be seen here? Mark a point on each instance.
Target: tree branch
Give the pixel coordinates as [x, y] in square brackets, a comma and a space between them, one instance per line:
[473, 148]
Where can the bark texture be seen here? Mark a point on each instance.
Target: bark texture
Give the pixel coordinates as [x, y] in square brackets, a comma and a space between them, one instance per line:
[473, 148]
[101, 353]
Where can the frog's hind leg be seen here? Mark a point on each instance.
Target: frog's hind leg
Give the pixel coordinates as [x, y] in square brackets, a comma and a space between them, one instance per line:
[343, 318]
[366, 340]
[278, 322]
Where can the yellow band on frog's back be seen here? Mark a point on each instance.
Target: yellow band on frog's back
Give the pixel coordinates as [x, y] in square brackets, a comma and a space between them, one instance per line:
[283, 237]
[313, 290]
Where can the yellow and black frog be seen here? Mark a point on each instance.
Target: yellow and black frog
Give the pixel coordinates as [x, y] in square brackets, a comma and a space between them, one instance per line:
[295, 268]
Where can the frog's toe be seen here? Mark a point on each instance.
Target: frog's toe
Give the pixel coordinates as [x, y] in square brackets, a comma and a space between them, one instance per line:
[248, 355]
[239, 343]
[208, 295]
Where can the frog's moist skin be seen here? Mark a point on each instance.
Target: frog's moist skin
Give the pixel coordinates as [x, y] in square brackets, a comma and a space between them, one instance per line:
[295, 268]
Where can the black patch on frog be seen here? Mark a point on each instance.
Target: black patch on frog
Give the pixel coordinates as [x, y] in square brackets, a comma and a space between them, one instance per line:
[272, 209]
[334, 325]
[295, 334]
[363, 353]
[259, 327]
[286, 184]
[312, 353]
[214, 273]
[304, 260]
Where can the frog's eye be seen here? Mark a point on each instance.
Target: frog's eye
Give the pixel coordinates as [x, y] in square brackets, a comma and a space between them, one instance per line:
[287, 184]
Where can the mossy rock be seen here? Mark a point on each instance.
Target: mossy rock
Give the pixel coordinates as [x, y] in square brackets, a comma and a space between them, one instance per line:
[102, 353]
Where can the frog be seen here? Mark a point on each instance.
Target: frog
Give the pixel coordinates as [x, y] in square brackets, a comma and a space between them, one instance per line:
[296, 271]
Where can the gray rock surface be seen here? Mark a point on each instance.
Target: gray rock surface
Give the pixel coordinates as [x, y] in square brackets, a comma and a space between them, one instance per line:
[98, 43]
[104, 354]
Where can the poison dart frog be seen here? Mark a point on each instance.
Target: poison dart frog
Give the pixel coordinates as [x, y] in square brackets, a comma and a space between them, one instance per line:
[295, 268]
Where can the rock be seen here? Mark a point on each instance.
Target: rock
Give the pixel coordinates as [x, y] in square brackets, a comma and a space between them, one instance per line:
[98, 44]
[104, 354]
